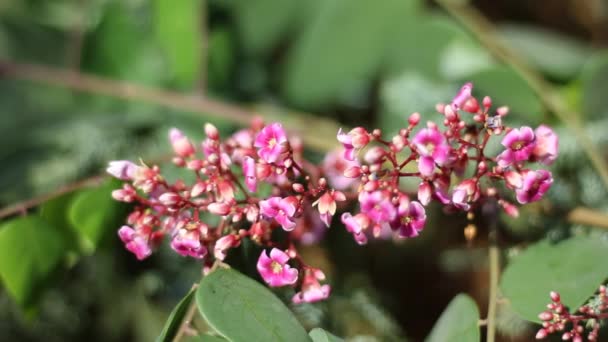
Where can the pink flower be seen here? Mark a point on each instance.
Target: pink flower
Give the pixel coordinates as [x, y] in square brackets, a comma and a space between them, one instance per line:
[223, 244]
[327, 204]
[122, 169]
[335, 167]
[126, 194]
[187, 241]
[180, 143]
[356, 225]
[547, 144]
[465, 193]
[463, 95]
[433, 149]
[312, 291]
[281, 209]
[377, 206]
[424, 193]
[411, 218]
[353, 141]
[134, 242]
[274, 269]
[249, 173]
[519, 144]
[535, 185]
[271, 143]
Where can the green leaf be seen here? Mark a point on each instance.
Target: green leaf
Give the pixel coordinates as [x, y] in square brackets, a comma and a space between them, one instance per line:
[326, 63]
[178, 27]
[459, 322]
[94, 214]
[554, 54]
[574, 268]
[594, 84]
[259, 36]
[175, 318]
[320, 335]
[507, 88]
[241, 309]
[204, 338]
[30, 248]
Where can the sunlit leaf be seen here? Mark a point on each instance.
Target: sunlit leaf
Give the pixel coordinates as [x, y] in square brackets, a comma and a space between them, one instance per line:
[175, 318]
[459, 322]
[241, 309]
[574, 268]
[30, 249]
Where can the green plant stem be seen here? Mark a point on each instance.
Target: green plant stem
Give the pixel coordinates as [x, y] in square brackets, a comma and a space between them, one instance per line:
[494, 255]
[485, 32]
[187, 320]
[318, 133]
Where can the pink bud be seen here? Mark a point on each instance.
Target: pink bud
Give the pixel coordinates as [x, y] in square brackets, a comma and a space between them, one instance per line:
[449, 113]
[180, 143]
[297, 187]
[221, 209]
[487, 102]
[566, 336]
[555, 296]
[510, 209]
[374, 155]
[169, 198]
[211, 131]
[463, 95]
[414, 119]
[541, 334]
[471, 105]
[514, 179]
[352, 172]
[502, 111]
[424, 193]
[545, 316]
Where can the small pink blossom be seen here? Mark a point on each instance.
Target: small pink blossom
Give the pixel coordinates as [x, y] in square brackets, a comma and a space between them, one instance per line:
[411, 218]
[180, 143]
[223, 244]
[547, 145]
[249, 170]
[335, 167]
[519, 143]
[356, 225]
[312, 291]
[126, 194]
[274, 269]
[535, 185]
[353, 141]
[465, 193]
[425, 193]
[122, 169]
[433, 149]
[327, 204]
[134, 242]
[187, 241]
[271, 143]
[377, 206]
[463, 95]
[281, 209]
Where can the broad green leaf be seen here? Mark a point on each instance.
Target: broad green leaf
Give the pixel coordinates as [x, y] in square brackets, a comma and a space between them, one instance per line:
[55, 212]
[30, 249]
[320, 335]
[95, 214]
[342, 49]
[459, 322]
[259, 36]
[507, 88]
[204, 338]
[221, 58]
[175, 318]
[241, 309]
[178, 27]
[574, 268]
[556, 55]
[594, 86]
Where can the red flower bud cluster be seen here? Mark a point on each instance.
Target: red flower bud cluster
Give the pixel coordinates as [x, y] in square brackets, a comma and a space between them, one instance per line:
[558, 319]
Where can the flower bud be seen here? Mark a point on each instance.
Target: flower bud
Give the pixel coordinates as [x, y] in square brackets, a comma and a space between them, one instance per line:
[541, 334]
[211, 131]
[297, 187]
[374, 155]
[352, 172]
[487, 102]
[221, 209]
[169, 198]
[545, 316]
[414, 119]
[555, 296]
[180, 143]
[424, 193]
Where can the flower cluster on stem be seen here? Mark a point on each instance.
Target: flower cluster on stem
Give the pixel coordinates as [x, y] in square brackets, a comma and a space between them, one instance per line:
[257, 181]
[558, 319]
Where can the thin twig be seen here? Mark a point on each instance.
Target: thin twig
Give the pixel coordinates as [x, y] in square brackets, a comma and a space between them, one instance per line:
[485, 32]
[300, 123]
[185, 323]
[588, 217]
[22, 207]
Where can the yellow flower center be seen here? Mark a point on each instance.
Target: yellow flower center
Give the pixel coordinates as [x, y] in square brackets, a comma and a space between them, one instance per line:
[272, 142]
[276, 267]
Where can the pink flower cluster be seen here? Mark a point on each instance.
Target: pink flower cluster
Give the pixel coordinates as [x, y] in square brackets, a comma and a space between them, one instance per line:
[450, 163]
[228, 173]
[256, 182]
[557, 318]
